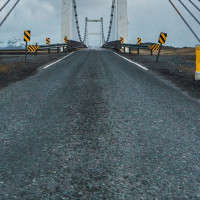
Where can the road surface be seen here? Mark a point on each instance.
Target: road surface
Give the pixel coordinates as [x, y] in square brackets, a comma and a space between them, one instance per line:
[95, 126]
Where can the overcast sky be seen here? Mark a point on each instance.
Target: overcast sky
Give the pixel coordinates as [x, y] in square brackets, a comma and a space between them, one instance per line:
[147, 18]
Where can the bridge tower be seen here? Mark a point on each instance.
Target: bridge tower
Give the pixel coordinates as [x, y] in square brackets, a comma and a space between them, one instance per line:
[121, 17]
[122, 20]
[66, 24]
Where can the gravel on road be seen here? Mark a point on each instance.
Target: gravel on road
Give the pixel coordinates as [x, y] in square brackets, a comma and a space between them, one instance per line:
[94, 127]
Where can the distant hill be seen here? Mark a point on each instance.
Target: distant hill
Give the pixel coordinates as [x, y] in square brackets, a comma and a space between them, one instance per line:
[12, 44]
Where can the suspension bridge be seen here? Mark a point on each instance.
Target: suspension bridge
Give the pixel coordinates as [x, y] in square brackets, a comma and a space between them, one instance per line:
[118, 26]
[98, 123]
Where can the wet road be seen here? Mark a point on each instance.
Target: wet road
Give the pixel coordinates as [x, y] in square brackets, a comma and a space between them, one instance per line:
[95, 126]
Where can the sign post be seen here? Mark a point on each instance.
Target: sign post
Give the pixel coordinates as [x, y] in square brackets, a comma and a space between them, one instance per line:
[36, 48]
[48, 43]
[162, 40]
[27, 38]
[121, 41]
[139, 41]
[66, 40]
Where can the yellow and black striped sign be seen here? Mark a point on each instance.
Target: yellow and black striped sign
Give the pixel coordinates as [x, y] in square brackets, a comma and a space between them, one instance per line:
[32, 48]
[163, 38]
[154, 47]
[27, 36]
[139, 40]
[66, 40]
[48, 41]
[121, 40]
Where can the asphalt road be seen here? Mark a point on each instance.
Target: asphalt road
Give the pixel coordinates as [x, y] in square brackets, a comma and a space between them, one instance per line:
[95, 126]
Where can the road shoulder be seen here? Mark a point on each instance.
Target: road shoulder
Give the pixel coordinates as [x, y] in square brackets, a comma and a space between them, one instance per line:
[178, 69]
[14, 68]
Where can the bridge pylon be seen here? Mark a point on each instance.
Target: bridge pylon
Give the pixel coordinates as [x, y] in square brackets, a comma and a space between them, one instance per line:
[66, 24]
[122, 20]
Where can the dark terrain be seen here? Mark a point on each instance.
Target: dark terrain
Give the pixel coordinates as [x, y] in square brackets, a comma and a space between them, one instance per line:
[175, 64]
[13, 67]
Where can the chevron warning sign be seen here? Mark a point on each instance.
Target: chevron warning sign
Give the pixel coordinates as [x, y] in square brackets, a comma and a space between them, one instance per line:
[139, 40]
[27, 36]
[66, 40]
[197, 74]
[121, 40]
[32, 48]
[48, 41]
[154, 47]
[163, 38]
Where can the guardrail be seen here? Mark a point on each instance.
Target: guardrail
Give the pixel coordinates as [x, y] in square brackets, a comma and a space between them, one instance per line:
[117, 45]
[138, 47]
[147, 46]
[112, 45]
[71, 45]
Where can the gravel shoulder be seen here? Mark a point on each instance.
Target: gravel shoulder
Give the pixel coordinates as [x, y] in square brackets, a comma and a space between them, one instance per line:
[13, 67]
[175, 64]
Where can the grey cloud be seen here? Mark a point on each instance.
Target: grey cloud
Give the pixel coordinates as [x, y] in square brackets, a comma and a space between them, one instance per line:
[147, 18]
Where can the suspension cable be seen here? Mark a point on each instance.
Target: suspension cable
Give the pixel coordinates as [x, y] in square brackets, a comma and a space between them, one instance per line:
[85, 34]
[111, 20]
[185, 21]
[102, 29]
[9, 13]
[194, 5]
[76, 18]
[4, 5]
[189, 11]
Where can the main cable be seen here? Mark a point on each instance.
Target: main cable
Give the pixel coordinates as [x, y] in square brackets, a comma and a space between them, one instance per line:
[102, 29]
[86, 27]
[9, 13]
[76, 18]
[111, 20]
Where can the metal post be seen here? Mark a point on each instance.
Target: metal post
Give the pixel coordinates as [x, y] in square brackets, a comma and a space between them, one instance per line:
[151, 52]
[49, 50]
[129, 49]
[124, 49]
[26, 52]
[158, 53]
[36, 50]
[138, 51]
[57, 49]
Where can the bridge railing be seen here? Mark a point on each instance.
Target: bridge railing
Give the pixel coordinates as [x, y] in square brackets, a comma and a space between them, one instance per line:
[68, 46]
[112, 45]
[117, 46]
[71, 45]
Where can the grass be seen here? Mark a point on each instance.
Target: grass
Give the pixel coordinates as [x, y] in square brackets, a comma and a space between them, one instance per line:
[5, 67]
[187, 69]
